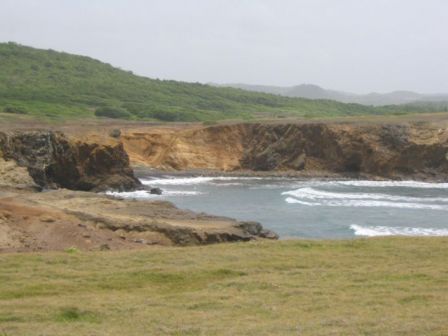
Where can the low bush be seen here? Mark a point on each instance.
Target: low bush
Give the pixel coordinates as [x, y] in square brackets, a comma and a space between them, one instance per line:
[14, 109]
[112, 112]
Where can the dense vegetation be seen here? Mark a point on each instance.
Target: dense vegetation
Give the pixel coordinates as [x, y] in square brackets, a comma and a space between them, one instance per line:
[60, 85]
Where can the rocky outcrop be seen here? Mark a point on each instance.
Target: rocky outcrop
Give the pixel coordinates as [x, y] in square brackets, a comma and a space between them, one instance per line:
[390, 151]
[61, 219]
[411, 150]
[53, 161]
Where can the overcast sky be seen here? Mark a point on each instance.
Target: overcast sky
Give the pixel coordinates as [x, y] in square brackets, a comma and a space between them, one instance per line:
[351, 45]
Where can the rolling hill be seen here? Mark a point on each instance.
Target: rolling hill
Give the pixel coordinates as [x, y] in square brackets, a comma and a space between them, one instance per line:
[311, 91]
[51, 84]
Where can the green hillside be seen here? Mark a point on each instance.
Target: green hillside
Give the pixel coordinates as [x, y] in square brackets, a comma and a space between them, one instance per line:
[59, 85]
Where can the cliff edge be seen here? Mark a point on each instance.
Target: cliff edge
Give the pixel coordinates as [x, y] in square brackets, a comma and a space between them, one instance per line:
[393, 151]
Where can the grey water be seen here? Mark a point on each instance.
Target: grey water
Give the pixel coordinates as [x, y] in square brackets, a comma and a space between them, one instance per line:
[312, 208]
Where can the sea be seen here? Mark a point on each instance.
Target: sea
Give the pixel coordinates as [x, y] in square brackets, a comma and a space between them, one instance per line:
[313, 208]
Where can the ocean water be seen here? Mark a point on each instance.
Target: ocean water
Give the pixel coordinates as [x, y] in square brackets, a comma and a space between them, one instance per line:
[312, 208]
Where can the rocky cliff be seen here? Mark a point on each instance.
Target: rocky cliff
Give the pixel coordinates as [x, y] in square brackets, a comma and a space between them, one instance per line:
[411, 150]
[53, 160]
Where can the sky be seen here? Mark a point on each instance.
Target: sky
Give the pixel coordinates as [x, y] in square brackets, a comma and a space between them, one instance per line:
[351, 45]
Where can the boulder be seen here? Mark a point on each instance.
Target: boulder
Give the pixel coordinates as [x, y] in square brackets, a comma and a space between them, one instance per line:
[156, 191]
[255, 229]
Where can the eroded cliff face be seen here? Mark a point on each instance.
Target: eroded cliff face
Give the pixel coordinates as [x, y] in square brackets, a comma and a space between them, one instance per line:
[389, 151]
[380, 150]
[218, 147]
[53, 161]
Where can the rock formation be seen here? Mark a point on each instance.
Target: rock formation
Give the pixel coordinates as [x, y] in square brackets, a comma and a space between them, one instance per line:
[372, 150]
[60, 219]
[53, 160]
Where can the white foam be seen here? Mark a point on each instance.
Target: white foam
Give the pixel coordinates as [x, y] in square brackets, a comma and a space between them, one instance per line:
[311, 193]
[144, 194]
[385, 204]
[375, 231]
[368, 203]
[138, 194]
[404, 184]
[296, 201]
[294, 183]
[193, 180]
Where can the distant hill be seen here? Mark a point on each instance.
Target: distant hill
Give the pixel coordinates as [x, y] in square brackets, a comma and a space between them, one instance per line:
[52, 84]
[311, 91]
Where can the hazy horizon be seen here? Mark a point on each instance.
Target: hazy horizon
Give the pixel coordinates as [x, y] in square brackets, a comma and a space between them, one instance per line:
[352, 46]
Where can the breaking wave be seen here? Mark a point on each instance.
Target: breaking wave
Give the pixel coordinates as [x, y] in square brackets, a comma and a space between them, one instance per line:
[313, 197]
[311, 193]
[367, 203]
[170, 180]
[376, 231]
[144, 194]
[312, 207]
[403, 184]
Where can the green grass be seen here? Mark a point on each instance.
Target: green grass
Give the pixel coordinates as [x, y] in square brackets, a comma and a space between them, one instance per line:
[55, 85]
[387, 286]
[73, 314]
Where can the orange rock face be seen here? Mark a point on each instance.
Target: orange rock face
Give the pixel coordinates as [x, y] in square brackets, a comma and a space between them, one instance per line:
[219, 147]
[389, 151]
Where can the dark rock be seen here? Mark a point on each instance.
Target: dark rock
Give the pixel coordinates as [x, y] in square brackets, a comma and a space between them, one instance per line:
[253, 228]
[156, 191]
[54, 161]
[388, 151]
[268, 234]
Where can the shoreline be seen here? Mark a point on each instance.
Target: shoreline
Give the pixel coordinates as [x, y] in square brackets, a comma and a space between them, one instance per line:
[345, 197]
[140, 170]
[98, 160]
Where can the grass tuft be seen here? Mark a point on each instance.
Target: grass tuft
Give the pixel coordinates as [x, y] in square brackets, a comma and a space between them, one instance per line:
[74, 314]
[72, 250]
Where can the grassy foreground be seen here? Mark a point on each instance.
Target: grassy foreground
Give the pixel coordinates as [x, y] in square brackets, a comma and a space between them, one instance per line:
[387, 286]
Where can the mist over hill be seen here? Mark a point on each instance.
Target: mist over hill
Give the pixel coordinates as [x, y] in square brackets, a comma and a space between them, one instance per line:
[312, 91]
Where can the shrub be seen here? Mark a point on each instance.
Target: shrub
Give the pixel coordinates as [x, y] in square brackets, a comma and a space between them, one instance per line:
[210, 123]
[115, 133]
[112, 112]
[14, 109]
[166, 115]
[71, 250]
